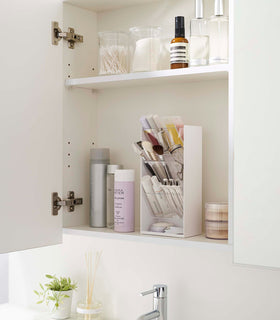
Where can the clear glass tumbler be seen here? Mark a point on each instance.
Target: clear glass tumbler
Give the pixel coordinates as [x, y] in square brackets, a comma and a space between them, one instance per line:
[113, 53]
[145, 48]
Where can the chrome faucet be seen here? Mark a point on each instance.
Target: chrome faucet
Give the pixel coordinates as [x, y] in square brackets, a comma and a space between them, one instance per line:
[160, 303]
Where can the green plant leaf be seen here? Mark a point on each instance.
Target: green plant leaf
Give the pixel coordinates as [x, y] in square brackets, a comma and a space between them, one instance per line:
[53, 291]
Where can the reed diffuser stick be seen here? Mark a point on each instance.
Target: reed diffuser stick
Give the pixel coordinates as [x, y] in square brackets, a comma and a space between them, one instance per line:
[91, 276]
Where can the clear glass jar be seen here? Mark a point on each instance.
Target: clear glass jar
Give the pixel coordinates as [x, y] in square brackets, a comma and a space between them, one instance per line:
[217, 230]
[113, 53]
[92, 311]
[164, 59]
[216, 211]
[218, 33]
[145, 48]
[216, 221]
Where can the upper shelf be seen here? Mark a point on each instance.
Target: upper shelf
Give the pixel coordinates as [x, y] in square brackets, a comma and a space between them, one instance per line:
[104, 5]
[152, 78]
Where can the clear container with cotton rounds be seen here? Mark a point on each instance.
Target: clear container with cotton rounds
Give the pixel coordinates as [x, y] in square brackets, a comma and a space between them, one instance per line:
[145, 48]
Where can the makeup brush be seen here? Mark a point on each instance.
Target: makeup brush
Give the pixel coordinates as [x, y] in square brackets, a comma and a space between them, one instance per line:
[138, 150]
[159, 150]
[148, 147]
[157, 167]
[151, 137]
[148, 158]
[149, 131]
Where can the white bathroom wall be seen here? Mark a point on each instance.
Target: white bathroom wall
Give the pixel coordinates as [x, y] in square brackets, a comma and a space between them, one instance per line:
[202, 283]
[4, 278]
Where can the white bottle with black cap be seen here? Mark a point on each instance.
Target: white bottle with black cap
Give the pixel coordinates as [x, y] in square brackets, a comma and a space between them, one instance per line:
[199, 40]
[218, 33]
[99, 160]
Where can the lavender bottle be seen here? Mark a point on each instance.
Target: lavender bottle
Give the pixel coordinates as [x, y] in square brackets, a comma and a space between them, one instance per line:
[124, 201]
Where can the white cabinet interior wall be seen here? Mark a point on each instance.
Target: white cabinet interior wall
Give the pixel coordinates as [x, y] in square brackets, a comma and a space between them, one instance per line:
[110, 117]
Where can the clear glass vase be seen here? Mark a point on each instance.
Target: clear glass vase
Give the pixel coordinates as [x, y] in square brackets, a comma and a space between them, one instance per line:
[145, 48]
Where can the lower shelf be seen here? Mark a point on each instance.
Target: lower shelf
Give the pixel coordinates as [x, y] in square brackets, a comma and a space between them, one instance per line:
[198, 241]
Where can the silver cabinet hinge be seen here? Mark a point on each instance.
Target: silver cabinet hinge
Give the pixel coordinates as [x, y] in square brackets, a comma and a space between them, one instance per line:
[69, 36]
[70, 202]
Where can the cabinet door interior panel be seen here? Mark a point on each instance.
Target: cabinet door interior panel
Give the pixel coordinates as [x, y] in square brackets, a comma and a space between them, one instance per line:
[31, 124]
[256, 133]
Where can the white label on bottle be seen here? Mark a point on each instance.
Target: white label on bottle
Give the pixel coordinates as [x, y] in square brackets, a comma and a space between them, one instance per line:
[179, 52]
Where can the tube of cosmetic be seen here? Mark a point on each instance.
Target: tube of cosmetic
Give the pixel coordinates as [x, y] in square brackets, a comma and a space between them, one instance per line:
[169, 197]
[179, 191]
[175, 199]
[149, 191]
[161, 198]
[179, 124]
[175, 195]
[173, 130]
[150, 132]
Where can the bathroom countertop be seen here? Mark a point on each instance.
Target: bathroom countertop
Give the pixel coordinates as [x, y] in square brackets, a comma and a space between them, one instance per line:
[12, 312]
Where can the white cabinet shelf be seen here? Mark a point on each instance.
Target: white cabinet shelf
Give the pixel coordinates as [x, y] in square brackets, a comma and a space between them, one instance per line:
[152, 78]
[198, 241]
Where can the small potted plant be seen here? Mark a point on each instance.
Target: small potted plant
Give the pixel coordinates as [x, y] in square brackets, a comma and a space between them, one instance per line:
[57, 294]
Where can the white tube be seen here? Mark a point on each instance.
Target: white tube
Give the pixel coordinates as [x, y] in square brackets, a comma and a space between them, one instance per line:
[169, 198]
[149, 191]
[161, 198]
[178, 203]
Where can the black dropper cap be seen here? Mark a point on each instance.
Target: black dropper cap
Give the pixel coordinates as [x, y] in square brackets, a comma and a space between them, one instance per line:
[179, 27]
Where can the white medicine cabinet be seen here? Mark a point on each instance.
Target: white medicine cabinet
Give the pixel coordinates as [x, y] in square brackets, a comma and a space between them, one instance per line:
[54, 109]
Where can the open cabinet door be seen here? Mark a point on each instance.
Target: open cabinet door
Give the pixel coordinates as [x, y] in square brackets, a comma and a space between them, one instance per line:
[31, 124]
[257, 133]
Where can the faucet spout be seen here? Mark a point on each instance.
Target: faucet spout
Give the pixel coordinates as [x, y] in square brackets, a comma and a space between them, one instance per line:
[150, 316]
[160, 303]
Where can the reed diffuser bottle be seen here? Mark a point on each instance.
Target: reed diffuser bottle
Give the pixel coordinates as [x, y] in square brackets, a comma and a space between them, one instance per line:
[218, 33]
[179, 47]
[90, 309]
[199, 40]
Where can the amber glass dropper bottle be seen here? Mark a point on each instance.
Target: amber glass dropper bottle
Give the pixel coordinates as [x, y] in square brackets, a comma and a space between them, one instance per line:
[179, 46]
